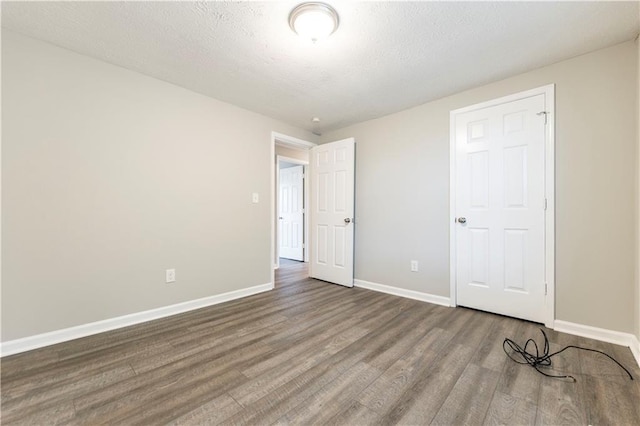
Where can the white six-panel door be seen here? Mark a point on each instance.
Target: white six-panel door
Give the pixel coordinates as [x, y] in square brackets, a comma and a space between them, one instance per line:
[332, 206]
[500, 208]
[291, 219]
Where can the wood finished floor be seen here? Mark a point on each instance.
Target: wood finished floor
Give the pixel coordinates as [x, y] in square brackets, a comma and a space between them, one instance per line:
[310, 352]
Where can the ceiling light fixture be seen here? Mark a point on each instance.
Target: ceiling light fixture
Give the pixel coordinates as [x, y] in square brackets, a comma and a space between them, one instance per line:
[313, 20]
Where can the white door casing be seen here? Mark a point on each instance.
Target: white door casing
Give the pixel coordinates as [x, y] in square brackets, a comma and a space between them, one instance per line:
[332, 175]
[502, 185]
[291, 214]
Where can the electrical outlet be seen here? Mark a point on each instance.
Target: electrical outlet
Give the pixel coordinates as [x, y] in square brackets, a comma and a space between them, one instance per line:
[170, 275]
[414, 266]
[255, 198]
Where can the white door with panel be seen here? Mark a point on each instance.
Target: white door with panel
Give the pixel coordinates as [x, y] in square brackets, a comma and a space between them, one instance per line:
[500, 208]
[291, 213]
[332, 207]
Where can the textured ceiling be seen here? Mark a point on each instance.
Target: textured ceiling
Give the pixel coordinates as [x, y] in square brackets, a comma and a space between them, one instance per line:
[385, 57]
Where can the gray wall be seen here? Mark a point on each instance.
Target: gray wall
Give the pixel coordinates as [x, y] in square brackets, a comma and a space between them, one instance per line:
[110, 177]
[402, 187]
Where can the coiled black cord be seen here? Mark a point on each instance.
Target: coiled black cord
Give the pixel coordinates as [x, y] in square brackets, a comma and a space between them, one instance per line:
[544, 360]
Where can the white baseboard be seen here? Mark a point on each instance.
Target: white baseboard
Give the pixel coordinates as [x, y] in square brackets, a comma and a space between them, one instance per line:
[635, 349]
[410, 294]
[610, 336]
[40, 340]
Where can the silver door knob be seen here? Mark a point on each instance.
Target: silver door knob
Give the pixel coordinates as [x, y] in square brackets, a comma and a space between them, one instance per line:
[462, 220]
[347, 220]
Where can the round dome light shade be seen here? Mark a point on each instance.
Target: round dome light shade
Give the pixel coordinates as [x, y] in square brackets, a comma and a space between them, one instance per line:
[314, 21]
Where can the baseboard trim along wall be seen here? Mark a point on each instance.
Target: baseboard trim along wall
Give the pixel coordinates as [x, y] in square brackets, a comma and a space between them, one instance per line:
[410, 294]
[635, 349]
[610, 336]
[40, 340]
[12, 347]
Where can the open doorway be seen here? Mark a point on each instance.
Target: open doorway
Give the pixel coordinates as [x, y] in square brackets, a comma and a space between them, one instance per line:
[288, 152]
[292, 198]
[330, 208]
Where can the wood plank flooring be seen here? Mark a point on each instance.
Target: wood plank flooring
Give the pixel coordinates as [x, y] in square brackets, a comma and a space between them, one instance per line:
[315, 353]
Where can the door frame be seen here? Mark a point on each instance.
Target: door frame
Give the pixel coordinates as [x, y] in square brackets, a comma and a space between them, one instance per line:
[289, 142]
[305, 201]
[549, 176]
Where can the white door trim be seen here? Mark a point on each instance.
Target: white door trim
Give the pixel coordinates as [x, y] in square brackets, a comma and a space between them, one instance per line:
[291, 142]
[305, 164]
[549, 92]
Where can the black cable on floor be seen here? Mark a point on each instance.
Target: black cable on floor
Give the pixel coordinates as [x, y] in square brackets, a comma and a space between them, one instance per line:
[536, 360]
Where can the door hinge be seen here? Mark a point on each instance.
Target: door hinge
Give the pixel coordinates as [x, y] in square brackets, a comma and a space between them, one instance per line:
[545, 289]
[545, 113]
[545, 204]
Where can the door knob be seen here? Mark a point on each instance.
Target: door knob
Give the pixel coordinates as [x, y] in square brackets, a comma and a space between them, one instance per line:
[347, 220]
[462, 220]
[280, 217]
